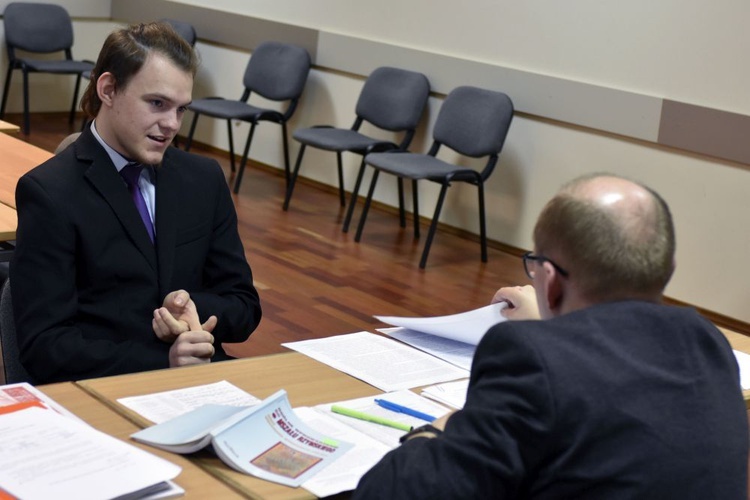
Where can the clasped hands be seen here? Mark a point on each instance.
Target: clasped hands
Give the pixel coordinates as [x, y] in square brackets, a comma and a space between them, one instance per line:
[177, 323]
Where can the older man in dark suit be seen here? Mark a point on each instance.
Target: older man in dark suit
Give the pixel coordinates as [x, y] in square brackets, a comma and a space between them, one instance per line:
[611, 395]
[128, 256]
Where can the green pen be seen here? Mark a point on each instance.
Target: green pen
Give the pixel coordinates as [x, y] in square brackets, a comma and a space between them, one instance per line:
[369, 418]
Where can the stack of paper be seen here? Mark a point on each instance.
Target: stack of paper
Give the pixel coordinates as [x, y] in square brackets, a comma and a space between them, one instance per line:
[45, 454]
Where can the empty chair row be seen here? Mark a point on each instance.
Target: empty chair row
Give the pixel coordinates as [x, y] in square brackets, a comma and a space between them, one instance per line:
[473, 122]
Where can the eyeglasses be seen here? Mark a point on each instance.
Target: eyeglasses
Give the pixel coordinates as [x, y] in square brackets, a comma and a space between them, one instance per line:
[539, 258]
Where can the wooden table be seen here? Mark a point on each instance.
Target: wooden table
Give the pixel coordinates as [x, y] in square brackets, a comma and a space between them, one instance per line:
[9, 128]
[306, 381]
[196, 481]
[18, 157]
[8, 223]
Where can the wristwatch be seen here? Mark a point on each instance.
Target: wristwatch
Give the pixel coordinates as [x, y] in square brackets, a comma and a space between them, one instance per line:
[422, 429]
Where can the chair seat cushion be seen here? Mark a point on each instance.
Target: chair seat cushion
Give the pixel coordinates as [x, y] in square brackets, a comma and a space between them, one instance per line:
[229, 109]
[336, 139]
[58, 66]
[416, 166]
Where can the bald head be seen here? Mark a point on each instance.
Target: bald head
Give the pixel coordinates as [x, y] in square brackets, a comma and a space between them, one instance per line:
[614, 237]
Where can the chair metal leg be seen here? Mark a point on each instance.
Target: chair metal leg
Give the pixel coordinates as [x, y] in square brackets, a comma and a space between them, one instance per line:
[26, 118]
[189, 140]
[342, 194]
[6, 88]
[366, 208]
[231, 145]
[415, 199]
[72, 116]
[433, 226]
[293, 179]
[285, 141]
[401, 210]
[482, 222]
[355, 195]
[243, 161]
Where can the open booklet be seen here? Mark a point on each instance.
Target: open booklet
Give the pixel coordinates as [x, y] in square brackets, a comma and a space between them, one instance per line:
[44, 453]
[267, 440]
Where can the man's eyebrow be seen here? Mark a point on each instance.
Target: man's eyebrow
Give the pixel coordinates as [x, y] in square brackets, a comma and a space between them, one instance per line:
[166, 98]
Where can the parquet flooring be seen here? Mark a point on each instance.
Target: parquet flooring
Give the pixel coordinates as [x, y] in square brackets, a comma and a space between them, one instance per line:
[314, 280]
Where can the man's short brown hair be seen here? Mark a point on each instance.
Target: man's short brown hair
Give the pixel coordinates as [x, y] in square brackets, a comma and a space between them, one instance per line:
[125, 51]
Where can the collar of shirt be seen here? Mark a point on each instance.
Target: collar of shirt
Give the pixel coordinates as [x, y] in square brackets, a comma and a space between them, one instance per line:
[119, 160]
[146, 182]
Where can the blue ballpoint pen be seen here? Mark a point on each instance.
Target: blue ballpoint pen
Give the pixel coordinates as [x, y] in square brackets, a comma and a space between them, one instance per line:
[403, 409]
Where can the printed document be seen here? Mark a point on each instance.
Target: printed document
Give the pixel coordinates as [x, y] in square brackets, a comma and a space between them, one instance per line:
[46, 455]
[468, 327]
[162, 406]
[381, 362]
[454, 352]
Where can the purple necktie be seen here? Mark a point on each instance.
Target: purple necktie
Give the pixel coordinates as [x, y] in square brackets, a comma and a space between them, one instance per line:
[131, 172]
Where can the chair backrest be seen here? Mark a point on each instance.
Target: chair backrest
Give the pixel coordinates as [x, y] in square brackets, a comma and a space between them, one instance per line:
[393, 99]
[67, 141]
[277, 71]
[37, 27]
[185, 30]
[474, 121]
[14, 370]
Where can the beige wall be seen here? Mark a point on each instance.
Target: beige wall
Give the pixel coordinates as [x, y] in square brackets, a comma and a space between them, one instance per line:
[687, 51]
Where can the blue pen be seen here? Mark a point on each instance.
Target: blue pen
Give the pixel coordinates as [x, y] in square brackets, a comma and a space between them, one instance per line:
[403, 409]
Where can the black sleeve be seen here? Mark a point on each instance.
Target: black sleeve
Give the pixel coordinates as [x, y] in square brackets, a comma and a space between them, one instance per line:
[487, 447]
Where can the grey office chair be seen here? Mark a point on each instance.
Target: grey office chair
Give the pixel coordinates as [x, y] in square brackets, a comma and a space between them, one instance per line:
[42, 29]
[473, 122]
[392, 99]
[276, 71]
[14, 370]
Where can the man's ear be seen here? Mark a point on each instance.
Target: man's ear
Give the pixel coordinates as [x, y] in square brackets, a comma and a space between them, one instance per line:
[553, 289]
[106, 88]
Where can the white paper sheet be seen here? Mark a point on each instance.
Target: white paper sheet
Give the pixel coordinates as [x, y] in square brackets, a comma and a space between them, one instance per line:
[454, 352]
[384, 363]
[162, 406]
[451, 393]
[46, 455]
[743, 360]
[371, 441]
[468, 327]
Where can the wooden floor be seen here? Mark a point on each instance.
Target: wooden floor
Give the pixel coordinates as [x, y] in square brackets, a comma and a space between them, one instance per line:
[314, 280]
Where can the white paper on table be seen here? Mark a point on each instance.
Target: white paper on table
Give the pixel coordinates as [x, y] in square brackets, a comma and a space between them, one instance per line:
[384, 363]
[46, 455]
[451, 393]
[468, 327]
[162, 406]
[454, 352]
[371, 441]
[344, 473]
[743, 360]
[386, 435]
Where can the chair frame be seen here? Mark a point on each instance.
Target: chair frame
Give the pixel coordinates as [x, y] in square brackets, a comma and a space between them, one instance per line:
[375, 147]
[15, 63]
[467, 175]
[267, 115]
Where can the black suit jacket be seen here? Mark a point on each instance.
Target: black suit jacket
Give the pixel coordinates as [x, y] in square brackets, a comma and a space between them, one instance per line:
[623, 400]
[86, 277]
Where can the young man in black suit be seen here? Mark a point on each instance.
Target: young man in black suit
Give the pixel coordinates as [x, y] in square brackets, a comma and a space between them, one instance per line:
[611, 395]
[113, 274]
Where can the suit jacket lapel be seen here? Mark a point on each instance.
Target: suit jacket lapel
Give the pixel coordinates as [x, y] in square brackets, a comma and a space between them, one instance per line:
[104, 178]
[167, 190]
